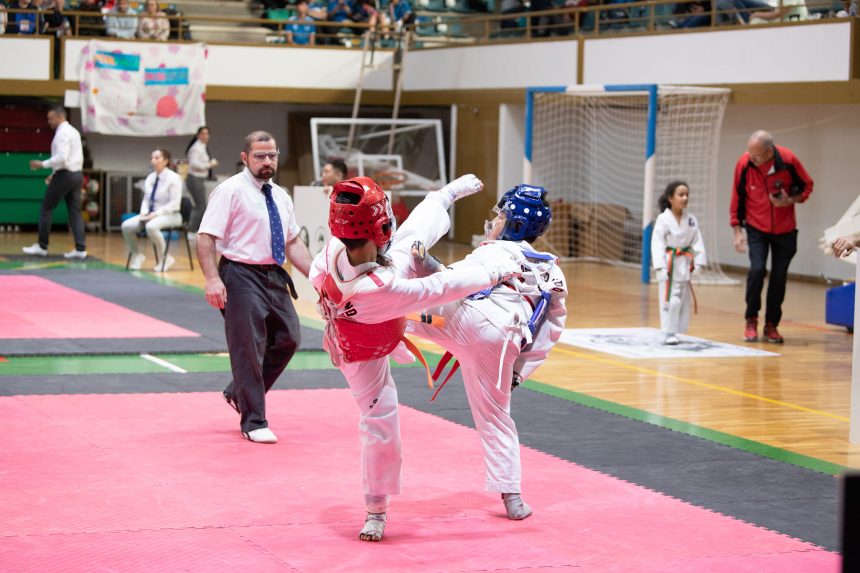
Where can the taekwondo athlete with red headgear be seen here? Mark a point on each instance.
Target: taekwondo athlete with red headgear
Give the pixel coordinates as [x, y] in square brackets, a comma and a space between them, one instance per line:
[364, 298]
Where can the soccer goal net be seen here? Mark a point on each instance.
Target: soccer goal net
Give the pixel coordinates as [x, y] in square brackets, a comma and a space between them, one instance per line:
[607, 152]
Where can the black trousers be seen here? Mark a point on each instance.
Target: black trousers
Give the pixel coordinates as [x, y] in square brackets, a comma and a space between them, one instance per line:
[64, 185]
[262, 330]
[197, 189]
[782, 249]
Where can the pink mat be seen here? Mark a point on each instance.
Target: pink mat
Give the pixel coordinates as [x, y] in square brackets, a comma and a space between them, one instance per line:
[35, 307]
[163, 482]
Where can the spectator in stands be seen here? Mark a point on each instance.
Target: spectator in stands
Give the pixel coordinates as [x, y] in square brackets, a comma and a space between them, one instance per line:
[90, 25]
[849, 9]
[159, 210]
[744, 10]
[365, 12]
[769, 180]
[200, 166]
[339, 11]
[511, 7]
[400, 13]
[332, 172]
[120, 22]
[544, 25]
[54, 23]
[64, 184]
[153, 23]
[24, 22]
[790, 11]
[318, 11]
[2, 18]
[301, 31]
[692, 14]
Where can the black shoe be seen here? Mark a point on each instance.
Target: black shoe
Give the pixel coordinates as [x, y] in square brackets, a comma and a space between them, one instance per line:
[231, 401]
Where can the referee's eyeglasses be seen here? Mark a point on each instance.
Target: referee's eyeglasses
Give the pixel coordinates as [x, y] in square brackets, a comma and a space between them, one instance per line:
[260, 156]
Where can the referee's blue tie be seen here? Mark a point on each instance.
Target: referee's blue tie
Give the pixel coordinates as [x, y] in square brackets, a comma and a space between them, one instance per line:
[152, 195]
[275, 225]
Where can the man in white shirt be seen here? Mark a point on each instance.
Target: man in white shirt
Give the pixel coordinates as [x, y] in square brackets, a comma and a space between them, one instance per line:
[121, 22]
[66, 161]
[251, 223]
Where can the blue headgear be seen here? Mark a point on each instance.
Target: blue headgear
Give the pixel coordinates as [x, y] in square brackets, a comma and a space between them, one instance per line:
[526, 216]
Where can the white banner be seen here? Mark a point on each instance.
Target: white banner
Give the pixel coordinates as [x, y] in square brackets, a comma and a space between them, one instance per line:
[142, 89]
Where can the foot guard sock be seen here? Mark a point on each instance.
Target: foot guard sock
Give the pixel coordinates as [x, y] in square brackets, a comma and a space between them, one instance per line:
[515, 506]
[373, 528]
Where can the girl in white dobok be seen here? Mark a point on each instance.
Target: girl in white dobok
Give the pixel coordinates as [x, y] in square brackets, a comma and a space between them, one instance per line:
[677, 251]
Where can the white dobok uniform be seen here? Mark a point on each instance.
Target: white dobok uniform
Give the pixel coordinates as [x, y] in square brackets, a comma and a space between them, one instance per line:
[675, 248]
[491, 338]
[372, 295]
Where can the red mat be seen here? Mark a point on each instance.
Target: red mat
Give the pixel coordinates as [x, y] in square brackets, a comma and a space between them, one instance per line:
[35, 307]
[163, 482]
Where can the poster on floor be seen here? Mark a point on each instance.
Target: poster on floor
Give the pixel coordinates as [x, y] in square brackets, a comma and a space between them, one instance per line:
[648, 343]
[142, 89]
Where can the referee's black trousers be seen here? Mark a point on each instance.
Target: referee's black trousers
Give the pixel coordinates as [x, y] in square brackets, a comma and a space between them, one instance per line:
[64, 186]
[262, 330]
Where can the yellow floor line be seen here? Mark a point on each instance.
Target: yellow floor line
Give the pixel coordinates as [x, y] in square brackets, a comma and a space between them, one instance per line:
[700, 383]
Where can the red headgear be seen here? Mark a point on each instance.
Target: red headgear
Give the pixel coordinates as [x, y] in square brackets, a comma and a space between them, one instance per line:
[370, 219]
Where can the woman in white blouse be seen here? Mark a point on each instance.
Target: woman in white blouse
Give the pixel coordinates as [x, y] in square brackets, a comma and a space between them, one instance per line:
[152, 23]
[199, 169]
[162, 197]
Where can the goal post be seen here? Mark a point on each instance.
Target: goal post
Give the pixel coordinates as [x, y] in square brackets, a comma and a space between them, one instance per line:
[606, 152]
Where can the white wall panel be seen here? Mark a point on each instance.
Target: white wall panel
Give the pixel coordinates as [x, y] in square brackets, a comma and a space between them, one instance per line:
[25, 58]
[813, 53]
[492, 67]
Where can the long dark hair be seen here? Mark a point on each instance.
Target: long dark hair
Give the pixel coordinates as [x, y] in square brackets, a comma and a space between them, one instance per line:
[663, 201]
[194, 139]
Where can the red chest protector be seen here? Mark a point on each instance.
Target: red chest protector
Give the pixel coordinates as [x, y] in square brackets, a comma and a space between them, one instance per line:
[356, 340]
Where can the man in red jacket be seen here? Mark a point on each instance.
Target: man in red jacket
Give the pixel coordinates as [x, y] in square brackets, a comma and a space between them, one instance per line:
[769, 180]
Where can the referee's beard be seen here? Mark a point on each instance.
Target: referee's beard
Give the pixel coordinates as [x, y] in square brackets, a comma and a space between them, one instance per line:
[264, 173]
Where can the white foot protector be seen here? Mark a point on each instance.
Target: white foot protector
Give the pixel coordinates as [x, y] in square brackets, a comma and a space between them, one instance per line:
[374, 526]
[515, 506]
[463, 186]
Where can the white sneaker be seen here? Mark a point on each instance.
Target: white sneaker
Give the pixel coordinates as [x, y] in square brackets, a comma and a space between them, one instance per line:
[167, 263]
[261, 436]
[136, 261]
[671, 340]
[75, 255]
[463, 186]
[35, 249]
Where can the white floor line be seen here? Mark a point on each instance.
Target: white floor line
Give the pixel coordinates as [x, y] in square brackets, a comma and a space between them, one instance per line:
[164, 363]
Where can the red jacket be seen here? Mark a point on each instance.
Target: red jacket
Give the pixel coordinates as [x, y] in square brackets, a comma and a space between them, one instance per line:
[750, 202]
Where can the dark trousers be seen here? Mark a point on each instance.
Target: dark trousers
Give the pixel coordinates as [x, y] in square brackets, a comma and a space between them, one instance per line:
[197, 189]
[262, 330]
[64, 185]
[782, 248]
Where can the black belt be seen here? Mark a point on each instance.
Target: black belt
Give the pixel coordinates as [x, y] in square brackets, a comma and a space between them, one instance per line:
[268, 267]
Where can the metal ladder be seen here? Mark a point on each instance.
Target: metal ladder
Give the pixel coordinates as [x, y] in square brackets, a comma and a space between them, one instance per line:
[370, 37]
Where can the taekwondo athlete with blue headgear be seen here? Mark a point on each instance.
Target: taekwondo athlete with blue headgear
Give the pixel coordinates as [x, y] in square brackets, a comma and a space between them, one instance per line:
[502, 334]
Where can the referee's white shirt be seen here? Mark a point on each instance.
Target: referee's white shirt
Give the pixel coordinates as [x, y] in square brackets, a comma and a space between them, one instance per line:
[238, 219]
[66, 149]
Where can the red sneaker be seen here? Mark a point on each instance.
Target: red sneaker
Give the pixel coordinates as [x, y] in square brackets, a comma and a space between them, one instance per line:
[751, 330]
[771, 334]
